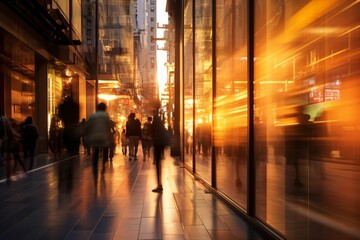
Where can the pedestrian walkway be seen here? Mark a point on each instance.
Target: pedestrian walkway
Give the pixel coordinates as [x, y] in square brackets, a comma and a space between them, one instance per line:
[61, 200]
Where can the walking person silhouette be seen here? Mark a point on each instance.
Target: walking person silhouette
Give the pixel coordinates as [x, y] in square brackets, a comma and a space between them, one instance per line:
[99, 136]
[69, 114]
[160, 141]
[133, 133]
[30, 136]
[146, 138]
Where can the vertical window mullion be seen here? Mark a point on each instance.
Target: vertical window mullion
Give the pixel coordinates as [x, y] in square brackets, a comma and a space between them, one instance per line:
[251, 161]
[213, 155]
[194, 87]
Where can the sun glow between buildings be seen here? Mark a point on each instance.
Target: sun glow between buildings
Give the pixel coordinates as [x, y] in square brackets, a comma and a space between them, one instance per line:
[162, 18]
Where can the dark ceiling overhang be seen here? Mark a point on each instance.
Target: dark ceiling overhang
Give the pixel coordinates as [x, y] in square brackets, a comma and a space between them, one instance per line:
[48, 22]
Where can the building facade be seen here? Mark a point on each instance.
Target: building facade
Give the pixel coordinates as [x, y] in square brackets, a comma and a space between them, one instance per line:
[144, 30]
[146, 53]
[118, 78]
[42, 60]
[266, 100]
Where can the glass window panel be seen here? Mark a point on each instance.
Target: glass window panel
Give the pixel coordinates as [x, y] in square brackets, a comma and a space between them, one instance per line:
[230, 120]
[188, 83]
[307, 133]
[203, 86]
[18, 69]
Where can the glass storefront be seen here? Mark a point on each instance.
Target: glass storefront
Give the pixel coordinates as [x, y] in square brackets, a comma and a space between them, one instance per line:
[18, 75]
[230, 120]
[203, 87]
[306, 129]
[188, 83]
[22, 96]
[55, 93]
[38, 64]
[62, 81]
[306, 74]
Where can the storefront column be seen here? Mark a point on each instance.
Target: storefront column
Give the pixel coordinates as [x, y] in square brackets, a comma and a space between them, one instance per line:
[178, 98]
[2, 73]
[41, 102]
[6, 90]
[2, 87]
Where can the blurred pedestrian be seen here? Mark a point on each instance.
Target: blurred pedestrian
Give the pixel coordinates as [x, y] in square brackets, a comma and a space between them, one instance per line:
[55, 137]
[124, 142]
[146, 138]
[99, 136]
[69, 114]
[2, 136]
[160, 141]
[133, 133]
[29, 136]
[83, 138]
[13, 145]
[298, 138]
[112, 148]
[6, 136]
[5, 145]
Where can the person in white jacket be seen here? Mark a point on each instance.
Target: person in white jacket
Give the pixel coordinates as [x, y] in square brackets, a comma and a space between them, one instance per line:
[98, 134]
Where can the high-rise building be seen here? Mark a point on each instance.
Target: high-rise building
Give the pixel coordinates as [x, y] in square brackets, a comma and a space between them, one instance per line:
[145, 40]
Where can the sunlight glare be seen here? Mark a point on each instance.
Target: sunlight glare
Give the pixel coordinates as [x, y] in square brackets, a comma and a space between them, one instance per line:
[161, 55]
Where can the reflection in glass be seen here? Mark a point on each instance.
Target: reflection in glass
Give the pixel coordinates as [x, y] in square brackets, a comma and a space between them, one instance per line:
[203, 87]
[306, 127]
[230, 120]
[188, 84]
[18, 67]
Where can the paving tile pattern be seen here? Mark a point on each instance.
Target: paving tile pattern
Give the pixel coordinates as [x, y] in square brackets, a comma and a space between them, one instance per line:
[61, 200]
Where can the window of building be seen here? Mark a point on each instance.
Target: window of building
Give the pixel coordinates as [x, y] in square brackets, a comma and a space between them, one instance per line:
[203, 87]
[188, 85]
[306, 95]
[230, 103]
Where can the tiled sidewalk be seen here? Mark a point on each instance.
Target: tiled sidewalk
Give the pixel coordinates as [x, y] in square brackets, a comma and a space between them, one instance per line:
[61, 201]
